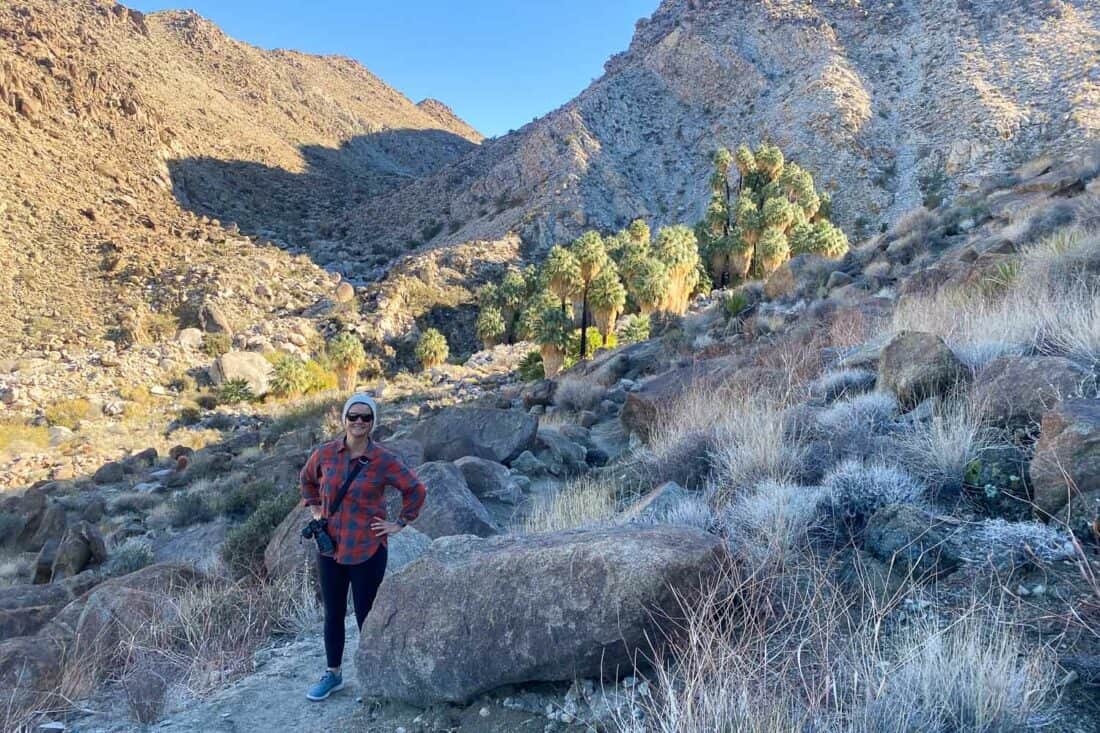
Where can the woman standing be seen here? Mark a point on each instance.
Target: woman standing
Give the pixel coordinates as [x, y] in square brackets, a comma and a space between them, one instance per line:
[356, 523]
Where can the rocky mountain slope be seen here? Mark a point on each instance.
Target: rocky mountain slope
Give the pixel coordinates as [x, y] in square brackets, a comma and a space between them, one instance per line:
[123, 134]
[888, 104]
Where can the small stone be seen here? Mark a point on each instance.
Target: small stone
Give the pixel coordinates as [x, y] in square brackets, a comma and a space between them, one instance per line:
[158, 390]
[484, 712]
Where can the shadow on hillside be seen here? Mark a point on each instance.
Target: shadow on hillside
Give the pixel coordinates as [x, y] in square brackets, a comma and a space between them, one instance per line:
[298, 207]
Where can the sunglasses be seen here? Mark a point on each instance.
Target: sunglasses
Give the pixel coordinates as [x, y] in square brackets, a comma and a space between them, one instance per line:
[361, 416]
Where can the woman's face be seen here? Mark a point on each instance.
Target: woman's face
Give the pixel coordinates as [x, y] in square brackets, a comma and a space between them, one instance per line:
[359, 421]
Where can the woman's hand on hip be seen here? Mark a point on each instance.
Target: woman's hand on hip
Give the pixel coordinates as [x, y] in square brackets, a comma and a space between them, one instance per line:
[384, 528]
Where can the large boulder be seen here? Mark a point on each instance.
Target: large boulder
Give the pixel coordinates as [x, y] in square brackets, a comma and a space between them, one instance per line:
[485, 432]
[450, 507]
[1067, 456]
[287, 554]
[560, 455]
[24, 609]
[1014, 391]
[51, 527]
[247, 365]
[409, 451]
[30, 670]
[515, 609]
[657, 505]
[81, 547]
[404, 547]
[488, 480]
[916, 366]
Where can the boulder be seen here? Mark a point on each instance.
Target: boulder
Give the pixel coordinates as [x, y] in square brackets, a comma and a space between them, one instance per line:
[485, 432]
[916, 366]
[655, 506]
[81, 547]
[540, 393]
[404, 547]
[110, 473]
[409, 451]
[50, 527]
[212, 318]
[560, 455]
[907, 535]
[508, 610]
[31, 507]
[450, 507]
[1014, 391]
[30, 668]
[247, 365]
[1067, 456]
[527, 465]
[97, 621]
[190, 338]
[24, 608]
[489, 480]
[288, 554]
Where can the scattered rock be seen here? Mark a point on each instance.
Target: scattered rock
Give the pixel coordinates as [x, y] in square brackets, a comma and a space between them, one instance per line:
[540, 393]
[1015, 391]
[451, 508]
[906, 534]
[110, 473]
[81, 547]
[997, 481]
[559, 455]
[655, 506]
[488, 480]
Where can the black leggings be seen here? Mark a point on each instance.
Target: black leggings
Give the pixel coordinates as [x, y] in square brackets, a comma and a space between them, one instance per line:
[364, 579]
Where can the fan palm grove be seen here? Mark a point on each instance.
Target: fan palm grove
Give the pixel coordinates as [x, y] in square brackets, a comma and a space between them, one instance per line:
[763, 209]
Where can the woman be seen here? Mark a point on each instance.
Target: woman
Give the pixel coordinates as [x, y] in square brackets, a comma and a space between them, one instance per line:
[358, 526]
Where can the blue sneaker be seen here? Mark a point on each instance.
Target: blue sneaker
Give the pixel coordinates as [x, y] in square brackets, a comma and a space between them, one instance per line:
[330, 683]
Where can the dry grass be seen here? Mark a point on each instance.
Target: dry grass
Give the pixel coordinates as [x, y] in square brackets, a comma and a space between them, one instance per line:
[17, 437]
[1045, 301]
[940, 450]
[729, 438]
[577, 395]
[585, 501]
[777, 647]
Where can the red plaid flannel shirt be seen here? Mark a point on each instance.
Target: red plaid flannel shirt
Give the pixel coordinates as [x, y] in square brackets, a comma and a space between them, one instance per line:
[324, 474]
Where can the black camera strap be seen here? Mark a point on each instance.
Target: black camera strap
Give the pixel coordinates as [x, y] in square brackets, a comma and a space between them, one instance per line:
[335, 506]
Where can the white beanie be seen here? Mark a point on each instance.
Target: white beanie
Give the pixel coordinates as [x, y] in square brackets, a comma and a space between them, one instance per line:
[361, 398]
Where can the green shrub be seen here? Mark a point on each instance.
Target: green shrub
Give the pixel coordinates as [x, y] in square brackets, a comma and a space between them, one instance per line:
[318, 378]
[431, 349]
[130, 557]
[216, 344]
[234, 392]
[243, 551]
[189, 415]
[291, 377]
[530, 367]
[67, 413]
[633, 328]
[189, 508]
[161, 326]
[735, 304]
[490, 325]
[243, 499]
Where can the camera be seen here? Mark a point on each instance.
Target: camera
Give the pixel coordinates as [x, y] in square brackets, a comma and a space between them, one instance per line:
[317, 530]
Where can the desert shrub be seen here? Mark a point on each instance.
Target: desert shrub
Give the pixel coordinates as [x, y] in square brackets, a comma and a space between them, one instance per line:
[15, 433]
[940, 449]
[190, 507]
[290, 378]
[864, 412]
[974, 674]
[216, 344]
[129, 557]
[243, 551]
[161, 326]
[431, 349]
[1017, 541]
[577, 394]
[319, 378]
[189, 415]
[530, 367]
[771, 520]
[243, 498]
[137, 502]
[735, 303]
[845, 383]
[67, 413]
[584, 501]
[633, 328]
[234, 392]
[855, 490]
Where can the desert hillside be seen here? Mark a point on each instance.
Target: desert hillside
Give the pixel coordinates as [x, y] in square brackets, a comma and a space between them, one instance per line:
[890, 104]
[140, 150]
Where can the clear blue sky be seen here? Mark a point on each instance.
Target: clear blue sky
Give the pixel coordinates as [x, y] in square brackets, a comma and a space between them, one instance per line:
[497, 63]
